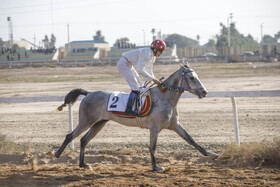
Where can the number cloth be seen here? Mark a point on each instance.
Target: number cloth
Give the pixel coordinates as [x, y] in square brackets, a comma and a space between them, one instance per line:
[118, 101]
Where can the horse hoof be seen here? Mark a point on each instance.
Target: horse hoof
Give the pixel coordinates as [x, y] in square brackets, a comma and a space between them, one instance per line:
[158, 168]
[87, 167]
[51, 154]
[213, 156]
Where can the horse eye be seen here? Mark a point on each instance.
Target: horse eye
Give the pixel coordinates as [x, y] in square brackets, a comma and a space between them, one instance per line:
[192, 78]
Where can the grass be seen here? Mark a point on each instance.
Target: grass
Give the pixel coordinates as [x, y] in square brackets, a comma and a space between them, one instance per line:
[253, 154]
[7, 146]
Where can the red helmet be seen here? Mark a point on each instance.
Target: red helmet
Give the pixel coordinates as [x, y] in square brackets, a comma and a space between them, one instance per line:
[159, 45]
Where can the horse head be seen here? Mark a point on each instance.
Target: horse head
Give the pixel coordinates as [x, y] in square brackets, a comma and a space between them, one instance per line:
[190, 81]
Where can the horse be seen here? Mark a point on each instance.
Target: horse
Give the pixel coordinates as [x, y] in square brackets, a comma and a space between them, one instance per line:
[162, 115]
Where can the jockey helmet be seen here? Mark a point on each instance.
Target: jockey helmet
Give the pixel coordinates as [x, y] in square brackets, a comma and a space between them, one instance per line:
[159, 45]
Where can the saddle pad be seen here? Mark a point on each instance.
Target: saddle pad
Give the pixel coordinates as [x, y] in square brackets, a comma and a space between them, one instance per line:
[118, 101]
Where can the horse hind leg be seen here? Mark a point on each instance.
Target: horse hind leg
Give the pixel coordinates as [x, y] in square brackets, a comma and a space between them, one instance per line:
[183, 133]
[93, 131]
[81, 127]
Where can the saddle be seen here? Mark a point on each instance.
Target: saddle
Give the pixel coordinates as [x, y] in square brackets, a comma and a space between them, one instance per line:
[118, 100]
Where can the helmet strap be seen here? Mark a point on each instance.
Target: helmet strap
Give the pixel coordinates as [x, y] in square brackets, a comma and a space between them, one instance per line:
[155, 51]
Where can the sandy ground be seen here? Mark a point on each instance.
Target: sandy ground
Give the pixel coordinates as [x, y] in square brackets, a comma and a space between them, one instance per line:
[118, 154]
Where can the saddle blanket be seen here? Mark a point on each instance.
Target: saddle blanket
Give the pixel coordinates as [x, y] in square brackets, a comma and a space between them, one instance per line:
[118, 101]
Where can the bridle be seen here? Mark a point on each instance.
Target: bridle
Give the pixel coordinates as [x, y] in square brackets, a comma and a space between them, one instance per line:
[180, 89]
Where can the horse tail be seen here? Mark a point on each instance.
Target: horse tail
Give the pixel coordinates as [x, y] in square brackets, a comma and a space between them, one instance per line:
[71, 97]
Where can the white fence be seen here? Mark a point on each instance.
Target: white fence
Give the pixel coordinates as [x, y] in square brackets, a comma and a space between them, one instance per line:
[231, 94]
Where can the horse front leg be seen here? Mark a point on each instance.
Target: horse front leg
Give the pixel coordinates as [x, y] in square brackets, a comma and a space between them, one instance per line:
[153, 144]
[183, 133]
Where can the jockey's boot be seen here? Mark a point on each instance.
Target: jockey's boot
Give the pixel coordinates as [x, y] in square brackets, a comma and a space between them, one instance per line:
[131, 100]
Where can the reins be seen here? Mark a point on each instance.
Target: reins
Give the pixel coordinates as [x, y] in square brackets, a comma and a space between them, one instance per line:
[163, 87]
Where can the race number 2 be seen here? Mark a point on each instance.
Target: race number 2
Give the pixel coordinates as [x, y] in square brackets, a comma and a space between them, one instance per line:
[115, 100]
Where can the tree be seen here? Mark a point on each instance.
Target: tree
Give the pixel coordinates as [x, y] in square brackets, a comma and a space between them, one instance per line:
[180, 40]
[267, 40]
[277, 36]
[210, 43]
[197, 38]
[123, 43]
[98, 36]
[46, 42]
[53, 41]
[120, 42]
[1, 43]
[236, 38]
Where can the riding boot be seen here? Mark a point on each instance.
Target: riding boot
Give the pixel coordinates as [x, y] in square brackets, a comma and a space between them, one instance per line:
[131, 100]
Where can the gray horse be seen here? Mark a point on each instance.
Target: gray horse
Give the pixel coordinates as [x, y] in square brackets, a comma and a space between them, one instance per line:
[163, 114]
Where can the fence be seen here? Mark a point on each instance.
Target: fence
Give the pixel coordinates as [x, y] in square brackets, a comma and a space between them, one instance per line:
[231, 94]
[225, 51]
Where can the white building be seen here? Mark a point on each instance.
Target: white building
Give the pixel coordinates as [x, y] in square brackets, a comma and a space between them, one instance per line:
[87, 44]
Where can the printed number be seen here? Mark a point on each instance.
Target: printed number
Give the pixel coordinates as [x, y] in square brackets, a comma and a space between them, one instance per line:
[115, 99]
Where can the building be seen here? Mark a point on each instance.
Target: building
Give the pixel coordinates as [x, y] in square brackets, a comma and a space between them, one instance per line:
[21, 44]
[87, 44]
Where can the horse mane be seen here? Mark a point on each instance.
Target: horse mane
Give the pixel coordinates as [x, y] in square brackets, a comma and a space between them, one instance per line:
[171, 76]
[176, 72]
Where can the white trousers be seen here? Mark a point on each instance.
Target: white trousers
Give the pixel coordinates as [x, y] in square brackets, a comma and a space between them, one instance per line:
[130, 74]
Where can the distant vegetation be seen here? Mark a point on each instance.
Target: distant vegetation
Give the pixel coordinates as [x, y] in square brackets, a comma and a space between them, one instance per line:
[237, 39]
[180, 40]
[49, 44]
[98, 36]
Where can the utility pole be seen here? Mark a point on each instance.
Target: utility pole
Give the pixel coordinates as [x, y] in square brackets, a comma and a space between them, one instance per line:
[9, 19]
[261, 34]
[34, 40]
[144, 37]
[229, 20]
[52, 15]
[68, 38]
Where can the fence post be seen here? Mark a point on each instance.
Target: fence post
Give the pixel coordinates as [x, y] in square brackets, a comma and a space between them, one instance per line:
[236, 126]
[70, 125]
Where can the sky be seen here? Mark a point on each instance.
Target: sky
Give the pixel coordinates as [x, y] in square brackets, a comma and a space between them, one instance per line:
[33, 19]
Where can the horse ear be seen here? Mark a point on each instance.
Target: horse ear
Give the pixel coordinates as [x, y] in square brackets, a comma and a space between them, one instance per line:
[185, 64]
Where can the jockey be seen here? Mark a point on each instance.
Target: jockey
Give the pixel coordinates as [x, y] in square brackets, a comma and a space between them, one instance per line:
[142, 59]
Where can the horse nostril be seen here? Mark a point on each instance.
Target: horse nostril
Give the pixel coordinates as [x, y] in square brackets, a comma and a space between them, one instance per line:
[204, 92]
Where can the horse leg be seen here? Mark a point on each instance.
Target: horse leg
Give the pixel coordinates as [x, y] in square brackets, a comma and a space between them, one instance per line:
[183, 133]
[93, 131]
[153, 144]
[69, 137]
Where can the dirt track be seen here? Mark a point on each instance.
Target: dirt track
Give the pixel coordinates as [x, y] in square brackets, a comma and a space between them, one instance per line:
[119, 155]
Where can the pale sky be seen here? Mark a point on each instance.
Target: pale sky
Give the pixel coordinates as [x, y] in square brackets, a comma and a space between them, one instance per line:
[135, 18]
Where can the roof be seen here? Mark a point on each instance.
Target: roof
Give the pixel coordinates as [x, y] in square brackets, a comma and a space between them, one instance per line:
[89, 41]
